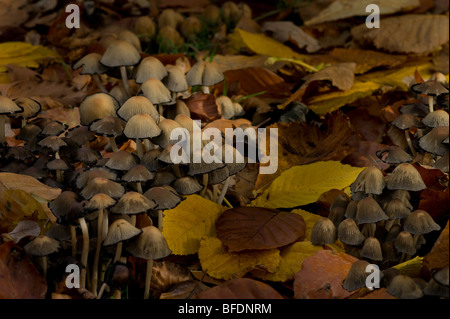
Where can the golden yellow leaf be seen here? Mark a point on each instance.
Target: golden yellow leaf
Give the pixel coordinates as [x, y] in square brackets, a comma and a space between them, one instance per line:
[186, 224]
[410, 267]
[23, 54]
[220, 264]
[302, 185]
[292, 258]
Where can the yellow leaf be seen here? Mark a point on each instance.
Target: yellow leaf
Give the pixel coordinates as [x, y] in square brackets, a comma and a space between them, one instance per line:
[302, 185]
[29, 184]
[328, 102]
[186, 224]
[309, 218]
[410, 267]
[292, 258]
[220, 264]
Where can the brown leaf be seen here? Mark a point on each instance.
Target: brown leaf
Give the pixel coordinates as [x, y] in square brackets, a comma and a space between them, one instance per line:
[322, 275]
[28, 184]
[167, 274]
[241, 288]
[340, 75]
[325, 200]
[242, 228]
[188, 289]
[203, 107]
[435, 202]
[364, 154]
[19, 278]
[438, 257]
[432, 177]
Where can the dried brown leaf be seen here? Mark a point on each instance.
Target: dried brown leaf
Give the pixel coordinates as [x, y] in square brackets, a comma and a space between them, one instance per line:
[241, 288]
[340, 75]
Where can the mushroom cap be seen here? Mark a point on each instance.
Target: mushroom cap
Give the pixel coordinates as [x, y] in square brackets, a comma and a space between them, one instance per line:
[120, 53]
[80, 134]
[57, 164]
[432, 141]
[122, 161]
[370, 180]
[404, 287]
[350, 211]
[169, 17]
[58, 232]
[405, 176]
[395, 155]
[133, 203]
[226, 106]
[141, 126]
[405, 122]
[130, 37]
[29, 132]
[84, 178]
[396, 209]
[436, 118]
[419, 222]
[356, 276]
[404, 243]
[187, 186]
[150, 67]
[168, 37]
[150, 160]
[369, 211]
[145, 27]
[323, 232]
[75, 212]
[111, 126]
[102, 185]
[87, 155]
[186, 122]
[120, 230]
[212, 14]
[42, 246]
[8, 106]
[154, 90]
[52, 142]
[150, 244]
[166, 127]
[190, 27]
[233, 159]
[61, 204]
[175, 80]
[90, 64]
[96, 107]
[372, 249]
[30, 107]
[218, 175]
[137, 105]
[415, 109]
[204, 73]
[442, 163]
[100, 201]
[441, 276]
[430, 87]
[337, 215]
[340, 200]
[19, 153]
[163, 178]
[54, 128]
[138, 173]
[349, 233]
[164, 196]
[433, 288]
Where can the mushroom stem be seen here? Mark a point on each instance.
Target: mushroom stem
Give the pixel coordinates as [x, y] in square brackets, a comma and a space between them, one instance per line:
[430, 103]
[85, 252]
[112, 142]
[415, 238]
[99, 83]
[23, 122]
[139, 187]
[123, 73]
[59, 175]
[73, 233]
[102, 290]
[118, 251]
[44, 263]
[133, 220]
[205, 89]
[402, 258]
[160, 219]
[215, 192]
[94, 281]
[224, 191]
[2, 128]
[176, 170]
[139, 148]
[205, 183]
[148, 278]
[408, 140]
[160, 109]
[389, 224]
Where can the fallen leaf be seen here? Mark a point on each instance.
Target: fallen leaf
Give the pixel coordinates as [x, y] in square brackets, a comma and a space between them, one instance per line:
[222, 124]
[186, 224]
[166, 274]
[290, 189]
[19, 278]
[24, 229]
[188, 289]
[218, 263]
[322, 275]
[438, 257]
[203, 107]
[341, 76]
[12, 13]
[23, 54]
[432, 177]
[241, 288]
[243, 228]
[380, 293]
[236, 62]
[30, 185]
[435, 202]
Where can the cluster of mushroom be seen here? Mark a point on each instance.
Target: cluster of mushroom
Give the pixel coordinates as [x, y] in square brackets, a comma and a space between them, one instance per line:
[430, 122]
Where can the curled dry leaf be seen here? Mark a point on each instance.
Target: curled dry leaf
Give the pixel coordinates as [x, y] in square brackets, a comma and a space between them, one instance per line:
[341, 76]
[243, 228]
[166, 274]
[24, 229]
[28, 184]
[203, 107]
[241, 288]
[438, 257]
[188, 289]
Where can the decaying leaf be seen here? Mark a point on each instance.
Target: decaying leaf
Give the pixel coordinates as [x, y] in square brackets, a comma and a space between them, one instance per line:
[186, 224]
[438, 257]
[23, 54]
[203, 106]
[24, 229]
[218, 263]
[341, 76]
[188, 289]
[241, 288]
[30, 185]
[243, 228]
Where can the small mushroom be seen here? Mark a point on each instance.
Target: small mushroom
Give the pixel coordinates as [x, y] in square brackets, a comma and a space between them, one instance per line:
[369, 213]
[165, 198]
[31, 108]
[432, 141]
[348, 233]
[96, 107]
[419, 222]
[370, 180]
[122, 161]
[404, 287]
[396, 210]
[395, 155]
[323, 232]
[356, 276]
[405, 122]
[111, 127]
[404, 243]
[436, 118]
[102, 185]
[90, 64]
[405, 176]
[7, 108]
[431, 88]
[141, 126]
[137, 105]
[205, 74]
[150, 67]
[119, 231]
[138, 174]
[372, 249]
[42, 246]
[132, 203]
[154, 90]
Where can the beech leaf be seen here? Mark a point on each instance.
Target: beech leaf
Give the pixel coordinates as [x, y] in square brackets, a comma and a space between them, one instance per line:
[341, 76]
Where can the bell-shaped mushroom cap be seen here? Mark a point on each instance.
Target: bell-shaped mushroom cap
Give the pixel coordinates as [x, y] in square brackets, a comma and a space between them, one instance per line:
[419, 222]
[57, 164]
[96, 107]
[415, 109]
[370, 180]
[337, 215]
[118, 92]
[87, 155]
[61, 204]
[175, 80]
[433, 288]
[211, 14]
[405, 122]
[190, 27]
[186, 122]
[395, 155]
[226, 106]
[102, 185]
[120, 53]
[150, 160]
[323, 232]
[169, 17]
[166, 127]
[150, 244]
[35, 172]
[218, 175]
[133, 203]
[442, 163]
[120, 230]
[349, 233]
[8, 106]
[52, 142]
[138, 173]
[441, 276]
[54, 128]
[369, 211]
[92, 173]
[19, 153]
[404, 243]
[80, 134]
[75, 212]
[150, 67]
[163, 178]
[130, 37]
[372, 249]
[137, 105]
[436, 118]
[430, 87]
[30, 107]
[100, 201]
[90, 64]
[165, 197]
[141, 126]
[42, 246]
[356, 277]
[29, 132]
[404, 287]
[405, 176]
[432, 141]
[122, 161]
[204, 73]
[154, 90]
[187, 186]
[350, 211]
[396, 209]
[109, 126]
[340, 200]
